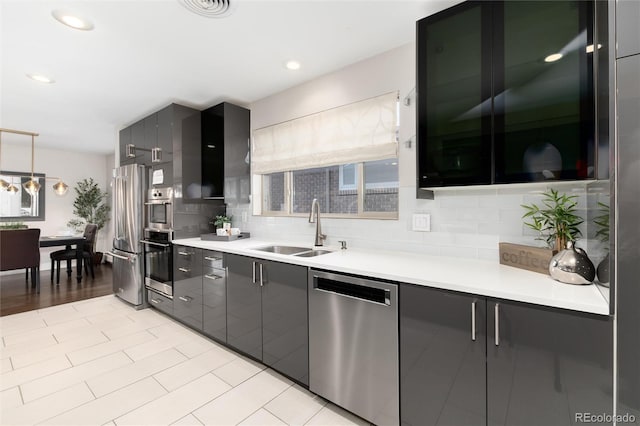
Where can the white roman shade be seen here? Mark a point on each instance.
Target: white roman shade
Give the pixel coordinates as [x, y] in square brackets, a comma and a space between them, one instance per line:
[362, 131]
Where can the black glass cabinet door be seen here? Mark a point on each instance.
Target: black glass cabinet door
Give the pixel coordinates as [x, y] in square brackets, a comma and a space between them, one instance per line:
[454, 96]
[543, 91]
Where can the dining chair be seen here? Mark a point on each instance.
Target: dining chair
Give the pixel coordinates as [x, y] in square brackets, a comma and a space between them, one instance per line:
[68, 254]
[20, 248]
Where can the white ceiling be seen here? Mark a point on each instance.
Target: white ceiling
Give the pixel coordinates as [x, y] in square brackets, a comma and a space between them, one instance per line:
[144, 54]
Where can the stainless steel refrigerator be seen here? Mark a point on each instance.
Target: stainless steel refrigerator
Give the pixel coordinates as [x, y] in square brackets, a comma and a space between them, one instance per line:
[129, 186]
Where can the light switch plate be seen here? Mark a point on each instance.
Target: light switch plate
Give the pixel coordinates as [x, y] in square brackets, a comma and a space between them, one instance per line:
[421, 222]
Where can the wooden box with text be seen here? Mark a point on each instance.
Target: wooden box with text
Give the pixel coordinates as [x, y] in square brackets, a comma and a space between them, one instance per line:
[534, 259]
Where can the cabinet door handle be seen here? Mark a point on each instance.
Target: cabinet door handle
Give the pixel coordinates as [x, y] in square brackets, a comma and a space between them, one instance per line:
[496, 310]
[184, 253]
[185, 298]
[253, 270]
[473, 320]
[155, 301]
[184, 270]
[213, 277]
[261, 276]
[212, 259]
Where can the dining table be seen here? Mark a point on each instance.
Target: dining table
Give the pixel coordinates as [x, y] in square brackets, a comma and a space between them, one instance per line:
[67, 241]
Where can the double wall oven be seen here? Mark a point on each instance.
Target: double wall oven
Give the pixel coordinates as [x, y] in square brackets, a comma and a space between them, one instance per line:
[158, 255]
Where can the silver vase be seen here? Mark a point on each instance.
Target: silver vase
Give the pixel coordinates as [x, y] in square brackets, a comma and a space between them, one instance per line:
[572, 266]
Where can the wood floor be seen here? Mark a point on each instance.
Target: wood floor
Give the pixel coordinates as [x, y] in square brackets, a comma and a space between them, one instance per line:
[17, 296]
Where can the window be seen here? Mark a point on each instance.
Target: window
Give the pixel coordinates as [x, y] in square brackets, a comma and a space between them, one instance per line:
[336, 188]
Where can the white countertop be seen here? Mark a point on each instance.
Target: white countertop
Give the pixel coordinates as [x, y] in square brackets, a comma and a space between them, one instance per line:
[473, 276]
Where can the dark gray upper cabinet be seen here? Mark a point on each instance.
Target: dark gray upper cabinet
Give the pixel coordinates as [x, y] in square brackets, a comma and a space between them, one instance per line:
[285, 340]
[150, 138]
[627, 28]
[225, 153]
[442, 359]
[494, 105]
[267, 313]
[138, 140]
[214, 289]
[546, 366]
[125, 139]
[244, 305]
[165, 136]
[187, 285]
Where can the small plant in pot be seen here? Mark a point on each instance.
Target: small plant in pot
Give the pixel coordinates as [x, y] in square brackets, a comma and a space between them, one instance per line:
[219, 222]
[90, 206]
[556, 221]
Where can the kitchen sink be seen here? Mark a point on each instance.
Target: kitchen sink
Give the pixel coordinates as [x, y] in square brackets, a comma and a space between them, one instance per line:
[283, 249]
[312, 253]
[292, 250]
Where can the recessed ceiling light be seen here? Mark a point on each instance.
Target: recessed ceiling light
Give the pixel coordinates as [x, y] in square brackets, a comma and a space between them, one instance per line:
[292, 65]
[553, 57]
[41, 78]
[72, 20]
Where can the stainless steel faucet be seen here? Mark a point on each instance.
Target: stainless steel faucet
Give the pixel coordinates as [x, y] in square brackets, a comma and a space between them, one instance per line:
[315, 206]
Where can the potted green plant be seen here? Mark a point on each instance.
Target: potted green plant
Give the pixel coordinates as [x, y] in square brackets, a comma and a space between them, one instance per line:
[90, 205]
[13, 225]
[556, 221]
[220, 220]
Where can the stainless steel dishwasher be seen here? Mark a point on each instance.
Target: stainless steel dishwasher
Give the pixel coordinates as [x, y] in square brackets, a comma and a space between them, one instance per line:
[353, 344]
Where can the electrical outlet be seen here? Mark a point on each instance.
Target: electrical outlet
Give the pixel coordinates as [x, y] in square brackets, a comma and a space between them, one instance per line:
[421, 222]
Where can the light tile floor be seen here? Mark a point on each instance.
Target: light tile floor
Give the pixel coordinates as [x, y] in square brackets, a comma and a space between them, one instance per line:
[101, 362]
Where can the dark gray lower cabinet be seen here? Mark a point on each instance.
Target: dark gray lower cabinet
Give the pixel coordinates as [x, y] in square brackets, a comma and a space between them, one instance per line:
[214, 303]
[546, 366]
[529, 365]
[187, 286]
[244, 305]
[267, 313]
[442, 357]
[285, 338]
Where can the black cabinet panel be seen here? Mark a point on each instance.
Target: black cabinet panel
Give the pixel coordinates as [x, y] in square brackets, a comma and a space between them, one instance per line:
[454, 98]
[284, 319]
[225, 149]
[494, 105]
[214, 309]
[244, 306]
[548, 365]
[442, 369]
[543, 108]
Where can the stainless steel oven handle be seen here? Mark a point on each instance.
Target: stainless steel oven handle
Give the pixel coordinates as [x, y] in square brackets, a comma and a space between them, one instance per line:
[150, 243]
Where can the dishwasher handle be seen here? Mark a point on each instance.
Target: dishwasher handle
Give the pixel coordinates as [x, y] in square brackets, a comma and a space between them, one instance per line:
[379, 296]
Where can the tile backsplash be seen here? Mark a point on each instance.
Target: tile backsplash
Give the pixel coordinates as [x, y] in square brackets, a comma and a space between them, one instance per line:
[465, 223]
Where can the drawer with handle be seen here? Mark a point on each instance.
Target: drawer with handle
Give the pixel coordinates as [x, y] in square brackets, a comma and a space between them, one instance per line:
[160, 302]
[212, 259]
[186, 259]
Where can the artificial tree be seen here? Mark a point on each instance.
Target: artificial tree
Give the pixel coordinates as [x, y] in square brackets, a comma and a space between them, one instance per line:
[90, 206]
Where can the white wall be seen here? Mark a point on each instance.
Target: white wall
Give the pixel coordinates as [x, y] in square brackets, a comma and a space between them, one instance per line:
[465, 223]
[68, 165]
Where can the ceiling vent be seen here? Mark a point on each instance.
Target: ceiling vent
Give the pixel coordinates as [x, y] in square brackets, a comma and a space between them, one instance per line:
[210, 8]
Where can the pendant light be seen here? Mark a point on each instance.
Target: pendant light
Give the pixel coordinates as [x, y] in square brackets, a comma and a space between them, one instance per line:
[60, 188]
[32, 186]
